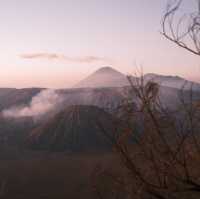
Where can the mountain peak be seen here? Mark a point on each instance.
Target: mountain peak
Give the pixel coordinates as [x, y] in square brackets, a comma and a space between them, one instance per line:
[107, 70]
[104, 77]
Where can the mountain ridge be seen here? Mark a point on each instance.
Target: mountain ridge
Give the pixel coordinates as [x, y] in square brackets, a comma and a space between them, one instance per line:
[172, 81]
[110, 77]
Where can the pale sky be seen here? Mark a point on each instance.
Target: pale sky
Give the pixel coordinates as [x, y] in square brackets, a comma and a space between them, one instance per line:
[55, 43]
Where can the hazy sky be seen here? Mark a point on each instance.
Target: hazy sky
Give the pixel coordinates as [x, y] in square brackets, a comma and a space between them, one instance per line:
[55, 43]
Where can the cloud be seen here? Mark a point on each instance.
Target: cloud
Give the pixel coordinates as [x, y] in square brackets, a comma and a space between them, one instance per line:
[61, 57]
[42, 56]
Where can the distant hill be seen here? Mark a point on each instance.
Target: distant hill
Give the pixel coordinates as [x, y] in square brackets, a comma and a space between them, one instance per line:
[172, 81]
[104, 77]
[76, 128]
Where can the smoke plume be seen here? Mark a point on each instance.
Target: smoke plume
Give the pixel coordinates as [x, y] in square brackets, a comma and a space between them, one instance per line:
[42, 103]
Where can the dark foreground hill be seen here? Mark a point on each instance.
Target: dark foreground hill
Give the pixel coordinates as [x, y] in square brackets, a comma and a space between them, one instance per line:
[52, 175]
[14, 130]
[77, 128]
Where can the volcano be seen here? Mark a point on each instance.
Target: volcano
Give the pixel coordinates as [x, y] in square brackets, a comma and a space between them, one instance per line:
[77, 128]
[104, 77]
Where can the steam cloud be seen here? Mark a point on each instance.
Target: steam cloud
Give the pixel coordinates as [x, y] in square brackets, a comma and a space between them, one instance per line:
[40, 104]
